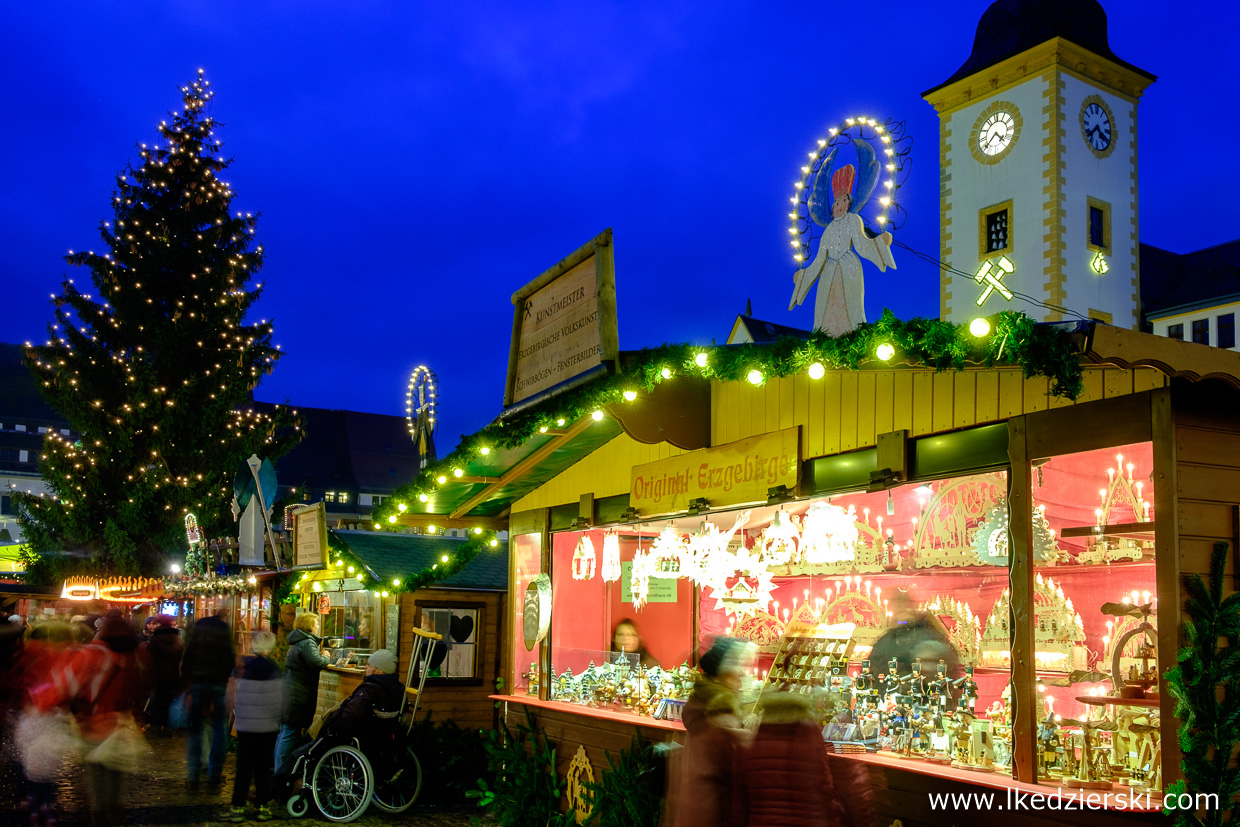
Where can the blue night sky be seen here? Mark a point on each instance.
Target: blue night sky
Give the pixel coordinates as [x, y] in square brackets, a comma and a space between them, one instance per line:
[416, 163]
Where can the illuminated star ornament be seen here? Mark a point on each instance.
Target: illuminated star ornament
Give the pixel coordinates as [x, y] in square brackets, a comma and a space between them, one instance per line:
[742, 585]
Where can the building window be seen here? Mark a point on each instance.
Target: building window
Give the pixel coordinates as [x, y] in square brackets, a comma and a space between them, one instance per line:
[6, 505]
[329, 496]
[377, 499]
[42, 430]
[23, 456]
[1201, 331]
[64, 431]
[994, 229]
[1098, 228]
[9, 454]
[1175, 331]
[343, 497]
[455, 658]
[1227, 330]
[20, 428]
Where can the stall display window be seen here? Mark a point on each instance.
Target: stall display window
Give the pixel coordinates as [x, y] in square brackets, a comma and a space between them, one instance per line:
[253, 614]
[612, 629]
[352, 621]
[527, 563]
[1098, 704]
[456, 656]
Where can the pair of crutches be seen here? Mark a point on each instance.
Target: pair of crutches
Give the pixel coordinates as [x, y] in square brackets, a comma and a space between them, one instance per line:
[423, 645]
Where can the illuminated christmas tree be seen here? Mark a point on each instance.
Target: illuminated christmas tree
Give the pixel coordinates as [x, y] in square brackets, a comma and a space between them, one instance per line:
[155, 370]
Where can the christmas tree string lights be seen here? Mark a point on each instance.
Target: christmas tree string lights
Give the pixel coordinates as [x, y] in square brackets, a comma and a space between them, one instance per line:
[154, 367]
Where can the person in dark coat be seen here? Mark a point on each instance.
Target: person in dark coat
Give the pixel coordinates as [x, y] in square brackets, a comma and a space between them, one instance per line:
[305, 660]
[782, 778]
[369, 714]
[164, 650]
[257, 698]
[700, 780]
[914, 635]
[207, 664]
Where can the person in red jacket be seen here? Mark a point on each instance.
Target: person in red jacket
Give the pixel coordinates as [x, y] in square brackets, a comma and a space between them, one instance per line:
[782, 778]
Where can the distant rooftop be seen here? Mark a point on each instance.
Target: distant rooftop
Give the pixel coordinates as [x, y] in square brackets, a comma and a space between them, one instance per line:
[1170, 280]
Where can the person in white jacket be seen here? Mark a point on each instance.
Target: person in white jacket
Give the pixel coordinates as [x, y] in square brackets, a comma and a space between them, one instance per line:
[257, 691]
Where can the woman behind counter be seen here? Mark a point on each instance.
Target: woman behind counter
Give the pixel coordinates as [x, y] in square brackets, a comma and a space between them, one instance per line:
[626, 642]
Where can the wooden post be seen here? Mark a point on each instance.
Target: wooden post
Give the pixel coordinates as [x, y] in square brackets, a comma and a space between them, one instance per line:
[1025, 712]
[1167, 572]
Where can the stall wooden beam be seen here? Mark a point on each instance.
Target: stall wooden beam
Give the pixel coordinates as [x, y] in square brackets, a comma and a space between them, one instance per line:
[523, 467]
[1025, 711]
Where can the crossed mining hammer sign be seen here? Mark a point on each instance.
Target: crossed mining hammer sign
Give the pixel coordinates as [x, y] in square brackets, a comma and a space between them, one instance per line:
[990, 278]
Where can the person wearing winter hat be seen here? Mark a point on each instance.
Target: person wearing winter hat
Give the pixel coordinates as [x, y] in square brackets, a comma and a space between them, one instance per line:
[370, 712]
[700, 782]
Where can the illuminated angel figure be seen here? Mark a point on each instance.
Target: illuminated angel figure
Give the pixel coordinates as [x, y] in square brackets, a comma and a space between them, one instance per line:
[840, 305]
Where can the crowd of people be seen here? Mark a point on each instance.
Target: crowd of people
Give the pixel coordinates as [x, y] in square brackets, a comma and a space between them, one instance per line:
[94, 689]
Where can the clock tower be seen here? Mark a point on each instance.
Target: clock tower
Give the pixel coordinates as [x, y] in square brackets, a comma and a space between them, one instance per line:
[1038, 168]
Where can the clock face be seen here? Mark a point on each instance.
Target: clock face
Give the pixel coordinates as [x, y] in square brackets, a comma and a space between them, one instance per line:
[996, 133]
[1096, 124]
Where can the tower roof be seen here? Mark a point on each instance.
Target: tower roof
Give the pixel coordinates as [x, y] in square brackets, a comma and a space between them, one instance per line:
[1010, 27]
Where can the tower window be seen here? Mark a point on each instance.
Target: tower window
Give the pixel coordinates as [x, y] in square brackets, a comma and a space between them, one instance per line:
[1175, 331]
[1201, 331]
[994, 228]
[1227, 330]
[1098, 231]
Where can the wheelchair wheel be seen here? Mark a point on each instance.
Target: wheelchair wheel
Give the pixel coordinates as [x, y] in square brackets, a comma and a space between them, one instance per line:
[297, 805]
[342, 783]
[397, 782]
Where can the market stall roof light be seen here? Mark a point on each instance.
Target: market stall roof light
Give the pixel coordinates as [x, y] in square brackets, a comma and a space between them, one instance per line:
[317, 586]
[392, 518]
[493, 542]
[597, 416]
[477, 530]
[421, 498]
[252, 580]
[700, 359]
[458, 472]
[441, 479]
[444, 559]
[559, 423]
[385, 594]
[175, 569]
[817, 371]
[484, 450]
[885, 351]
[979, 327]
[401, 507]
[629, 396]
[754, 376]
[666, 373]
[378, 526]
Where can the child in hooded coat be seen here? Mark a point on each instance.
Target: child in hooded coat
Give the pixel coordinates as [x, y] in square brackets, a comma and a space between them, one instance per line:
[257, 696]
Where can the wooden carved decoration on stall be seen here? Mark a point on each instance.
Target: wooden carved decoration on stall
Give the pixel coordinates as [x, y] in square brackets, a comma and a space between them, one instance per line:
[580, 773]
[762, 629]
[1133, 647]
[584, 559]
[1122, 501]
[536, 611]
[1134, 680]
[834, 544]
[739, 582]
[611, 557]
[990, 542]
[864, 609]
[707, 546]
[964, 629]
[669, 550]
[779, 543]
[948, 525]
[1059, 634]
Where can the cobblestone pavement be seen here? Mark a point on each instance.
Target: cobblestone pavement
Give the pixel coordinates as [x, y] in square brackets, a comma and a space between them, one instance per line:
[158, 796]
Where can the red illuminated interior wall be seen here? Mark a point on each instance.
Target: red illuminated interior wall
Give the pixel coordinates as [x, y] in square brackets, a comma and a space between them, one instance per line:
[585, 612]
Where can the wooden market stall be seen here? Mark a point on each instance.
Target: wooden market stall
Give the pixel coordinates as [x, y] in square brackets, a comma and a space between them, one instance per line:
[363, 610]
[1038, 532]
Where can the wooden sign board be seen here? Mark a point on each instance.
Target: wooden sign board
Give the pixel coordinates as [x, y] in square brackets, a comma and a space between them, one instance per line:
[564, 322]
[733, 474]
[310, 537]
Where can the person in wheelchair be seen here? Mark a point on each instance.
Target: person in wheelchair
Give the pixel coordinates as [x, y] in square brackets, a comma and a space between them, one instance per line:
[369, 714]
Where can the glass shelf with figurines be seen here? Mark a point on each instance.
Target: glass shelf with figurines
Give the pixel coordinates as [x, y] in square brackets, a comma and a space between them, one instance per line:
[620, 683]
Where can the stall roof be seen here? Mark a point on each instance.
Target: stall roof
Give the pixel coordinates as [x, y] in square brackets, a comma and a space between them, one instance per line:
[390, 556]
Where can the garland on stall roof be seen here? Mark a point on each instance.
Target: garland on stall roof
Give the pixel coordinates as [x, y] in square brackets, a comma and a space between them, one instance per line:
[1007, 338]
[346, 564]
[197, 587]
